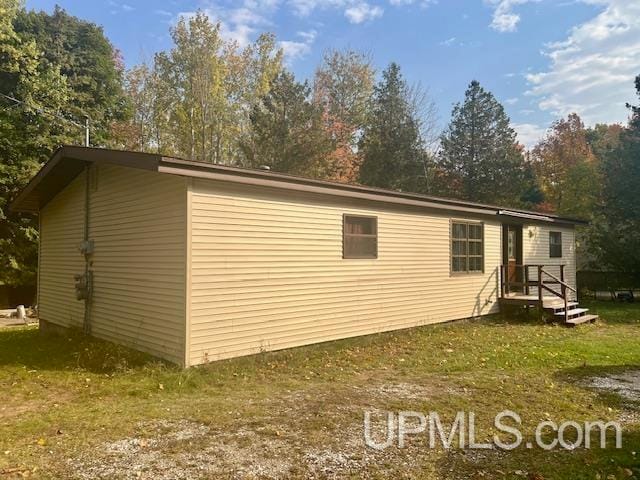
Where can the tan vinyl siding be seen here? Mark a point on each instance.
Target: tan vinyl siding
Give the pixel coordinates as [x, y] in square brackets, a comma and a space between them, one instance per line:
[138, 225]
[267, 271]
[535, 239]
[61, 232]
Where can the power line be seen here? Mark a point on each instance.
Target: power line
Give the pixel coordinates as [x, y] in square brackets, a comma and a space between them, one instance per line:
[58, 116]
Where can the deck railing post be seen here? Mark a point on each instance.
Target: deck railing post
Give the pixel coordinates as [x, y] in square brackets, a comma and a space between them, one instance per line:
[502, 281]
[526, 279]
[540, 302]
[507, 287]
[564, 296]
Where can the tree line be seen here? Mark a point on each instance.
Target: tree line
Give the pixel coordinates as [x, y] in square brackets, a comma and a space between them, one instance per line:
[209, 99]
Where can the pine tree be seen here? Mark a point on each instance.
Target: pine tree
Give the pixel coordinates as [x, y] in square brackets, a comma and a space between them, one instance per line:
[480, 159]
[286, 131]
[391, 146]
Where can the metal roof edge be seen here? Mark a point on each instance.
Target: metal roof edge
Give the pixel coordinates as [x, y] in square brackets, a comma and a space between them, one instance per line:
[177, 166]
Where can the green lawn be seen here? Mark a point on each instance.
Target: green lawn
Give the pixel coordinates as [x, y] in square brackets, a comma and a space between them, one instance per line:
[75, 407]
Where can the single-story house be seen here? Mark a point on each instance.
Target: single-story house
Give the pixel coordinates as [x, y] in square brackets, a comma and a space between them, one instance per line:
[196, 262]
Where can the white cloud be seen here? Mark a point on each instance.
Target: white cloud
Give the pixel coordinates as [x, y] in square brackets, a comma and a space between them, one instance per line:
[504, 19]
[511, 101]
[293, 50]
[356, 11]
[529, 134]
[242, 22]
[304, 8]
[163, 13]
[362, 12]
[422, 3]
[119, 7]
[591, 72]
[448, 42]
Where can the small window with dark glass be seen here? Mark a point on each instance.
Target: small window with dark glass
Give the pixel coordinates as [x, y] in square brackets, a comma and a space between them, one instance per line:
[467, 249]
[555, 244]
[359, 237]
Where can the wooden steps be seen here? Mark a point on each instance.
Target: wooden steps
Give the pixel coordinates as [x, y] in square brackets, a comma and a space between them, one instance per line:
[575, 316]
[559, 306]
[574, 312]
[572, 322]
[554, 307]
[550, 292]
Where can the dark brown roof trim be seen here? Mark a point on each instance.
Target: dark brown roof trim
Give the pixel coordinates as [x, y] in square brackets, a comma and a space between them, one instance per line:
[68, 161]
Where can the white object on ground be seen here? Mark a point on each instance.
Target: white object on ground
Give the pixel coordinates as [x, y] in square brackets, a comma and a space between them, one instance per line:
[21, 313]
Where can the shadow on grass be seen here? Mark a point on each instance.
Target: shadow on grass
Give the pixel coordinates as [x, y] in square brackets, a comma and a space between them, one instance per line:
[615, 312]
[515, 315]
[28, 348]
[581, 463]
[557, 464]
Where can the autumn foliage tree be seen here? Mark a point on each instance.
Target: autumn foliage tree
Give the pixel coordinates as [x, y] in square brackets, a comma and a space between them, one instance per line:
[567, 168]
[343, 85]
[195, 100]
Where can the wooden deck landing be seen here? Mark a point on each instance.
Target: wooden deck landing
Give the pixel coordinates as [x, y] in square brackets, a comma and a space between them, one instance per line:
[548, 301]
[558, 305]
[554, 306]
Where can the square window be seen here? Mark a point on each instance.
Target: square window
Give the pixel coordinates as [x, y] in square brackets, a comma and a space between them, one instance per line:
[359, 237]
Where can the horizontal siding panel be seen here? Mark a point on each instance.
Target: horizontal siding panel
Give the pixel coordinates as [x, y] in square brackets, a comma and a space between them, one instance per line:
[267, 272]
[536, 252]
[61, 231]
[138, 228]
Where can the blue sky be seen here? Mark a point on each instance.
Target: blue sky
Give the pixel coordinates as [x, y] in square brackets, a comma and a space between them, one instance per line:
[541, 58]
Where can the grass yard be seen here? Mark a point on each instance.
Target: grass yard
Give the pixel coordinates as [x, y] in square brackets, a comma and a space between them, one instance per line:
[81, 408]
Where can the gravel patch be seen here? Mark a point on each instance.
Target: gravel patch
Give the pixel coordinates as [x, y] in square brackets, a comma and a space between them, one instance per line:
[627, 384]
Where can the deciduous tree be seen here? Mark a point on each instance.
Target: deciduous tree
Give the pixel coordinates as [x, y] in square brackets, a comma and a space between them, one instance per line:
[91, 65]
[567, 168]
[343, 85]
[33, 96]
[197, 98]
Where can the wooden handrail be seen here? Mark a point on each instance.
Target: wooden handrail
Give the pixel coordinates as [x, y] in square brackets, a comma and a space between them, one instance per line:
[550, 290]
[539, 283]
[564, 284]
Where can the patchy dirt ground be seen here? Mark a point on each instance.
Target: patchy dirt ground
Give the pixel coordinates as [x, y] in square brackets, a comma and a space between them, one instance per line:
[279, 447]
[78, 408]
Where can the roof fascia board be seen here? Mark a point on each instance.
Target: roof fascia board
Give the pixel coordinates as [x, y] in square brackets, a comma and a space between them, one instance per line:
[35, 181]
[540, 218]
[318, 189]
[293, 179]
